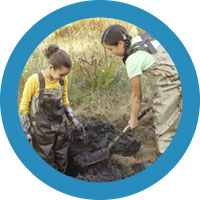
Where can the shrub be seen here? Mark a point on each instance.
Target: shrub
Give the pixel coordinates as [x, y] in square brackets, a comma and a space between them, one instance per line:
[95, 73]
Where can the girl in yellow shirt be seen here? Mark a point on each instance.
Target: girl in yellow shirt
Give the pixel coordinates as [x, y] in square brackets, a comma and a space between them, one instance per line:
[44, 107]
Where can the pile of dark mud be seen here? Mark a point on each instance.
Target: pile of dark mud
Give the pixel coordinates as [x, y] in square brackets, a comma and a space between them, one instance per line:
[122, 162]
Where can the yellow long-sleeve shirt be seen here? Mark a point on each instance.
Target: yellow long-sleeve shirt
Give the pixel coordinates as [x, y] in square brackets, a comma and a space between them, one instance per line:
[32, 89]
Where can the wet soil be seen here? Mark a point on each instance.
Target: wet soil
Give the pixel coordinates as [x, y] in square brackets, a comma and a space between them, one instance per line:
[131, 154]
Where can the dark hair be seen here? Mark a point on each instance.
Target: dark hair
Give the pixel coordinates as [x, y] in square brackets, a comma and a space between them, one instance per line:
[57, 57]
[115, 33]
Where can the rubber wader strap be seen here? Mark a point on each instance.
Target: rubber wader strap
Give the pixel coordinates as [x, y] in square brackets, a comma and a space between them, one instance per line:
[148, 42]
[41, 96]
[42, 86]
[61, 82]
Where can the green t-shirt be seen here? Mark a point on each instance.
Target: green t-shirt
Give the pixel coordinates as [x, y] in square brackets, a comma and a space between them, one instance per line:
[139, 61]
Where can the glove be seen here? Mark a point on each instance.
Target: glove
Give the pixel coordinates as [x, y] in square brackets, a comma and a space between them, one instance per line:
[70, 115]
[25, 122]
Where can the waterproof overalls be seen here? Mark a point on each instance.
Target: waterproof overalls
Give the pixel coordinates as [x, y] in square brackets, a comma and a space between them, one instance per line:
[167, 101]
[48, 125]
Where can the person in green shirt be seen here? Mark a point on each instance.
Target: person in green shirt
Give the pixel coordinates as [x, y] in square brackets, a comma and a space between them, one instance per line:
[143, 54]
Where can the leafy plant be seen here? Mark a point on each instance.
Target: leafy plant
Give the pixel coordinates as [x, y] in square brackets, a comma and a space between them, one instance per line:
[95, 73]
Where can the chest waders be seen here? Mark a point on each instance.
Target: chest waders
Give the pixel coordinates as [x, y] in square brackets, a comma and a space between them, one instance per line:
[167, 101]
[48, 125]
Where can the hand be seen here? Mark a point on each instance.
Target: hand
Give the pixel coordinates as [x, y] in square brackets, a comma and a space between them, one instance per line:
[82, 131]
[25, 122]
[29, 138]
[70, 115]
[133, 123]
[80, 128]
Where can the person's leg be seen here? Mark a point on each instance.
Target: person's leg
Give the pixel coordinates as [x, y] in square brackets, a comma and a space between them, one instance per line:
[61, 153]
[167, 103]
[44, 146]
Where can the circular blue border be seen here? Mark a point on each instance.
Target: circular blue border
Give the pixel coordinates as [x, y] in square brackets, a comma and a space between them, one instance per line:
[9, 93]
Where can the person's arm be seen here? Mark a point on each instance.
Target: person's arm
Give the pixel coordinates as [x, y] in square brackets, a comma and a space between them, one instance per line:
[28, 92]
[70, 115]
[136, 99]
[65, 92]
[68, 111]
